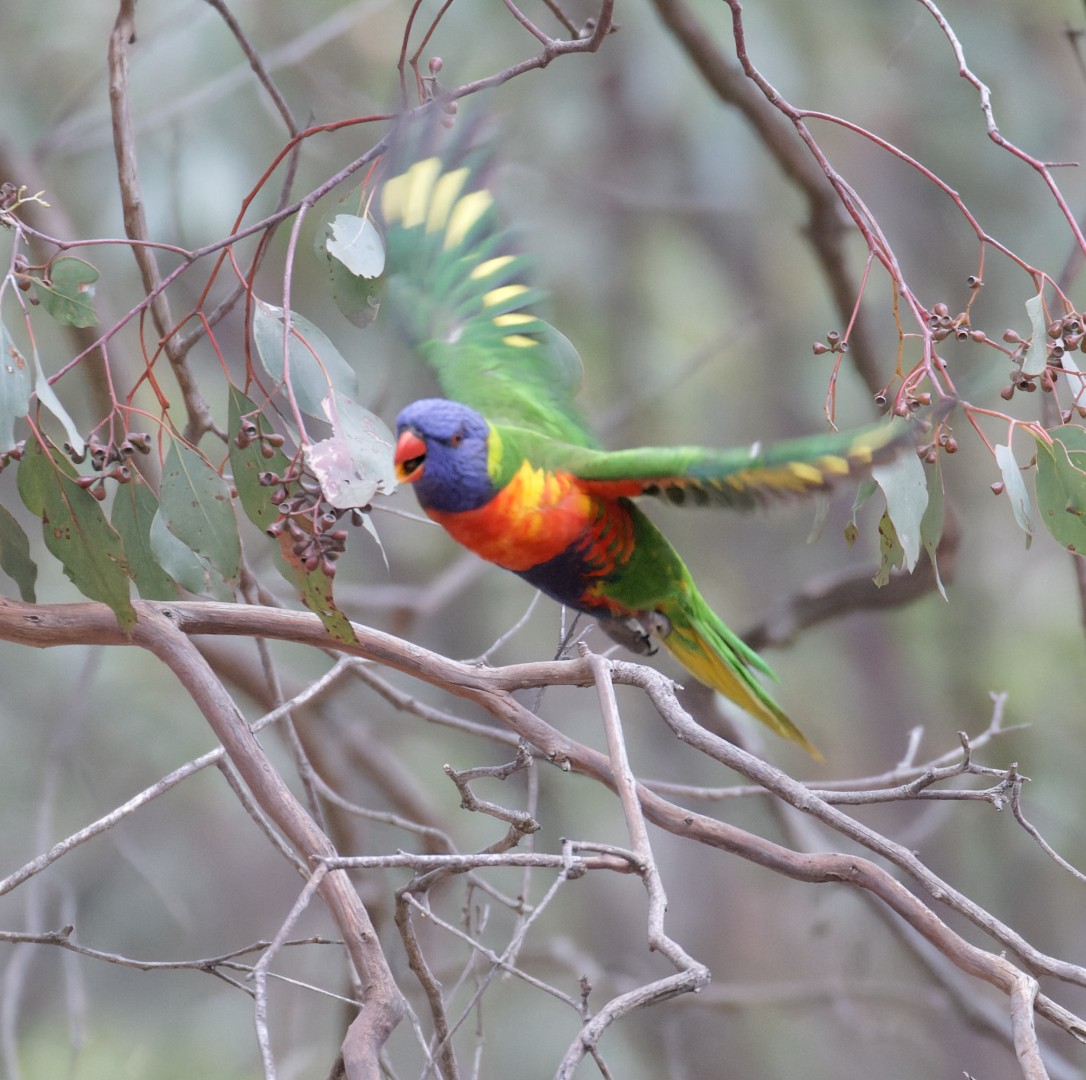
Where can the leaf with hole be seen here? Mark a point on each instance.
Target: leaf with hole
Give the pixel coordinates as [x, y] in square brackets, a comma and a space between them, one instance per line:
[68, 292]
[356, 463]
[247, 463]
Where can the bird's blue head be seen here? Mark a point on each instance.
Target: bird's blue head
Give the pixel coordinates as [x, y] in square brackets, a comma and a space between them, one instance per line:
[441, 448]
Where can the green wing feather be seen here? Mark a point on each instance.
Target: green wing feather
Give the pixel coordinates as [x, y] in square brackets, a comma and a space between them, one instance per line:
[741, 478]
[461, 293]
[683, 475]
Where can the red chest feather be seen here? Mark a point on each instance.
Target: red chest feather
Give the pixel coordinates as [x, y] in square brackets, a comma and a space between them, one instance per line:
[535, 517]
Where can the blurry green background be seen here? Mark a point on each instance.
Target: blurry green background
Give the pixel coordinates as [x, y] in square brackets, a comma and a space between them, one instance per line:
[675, 255]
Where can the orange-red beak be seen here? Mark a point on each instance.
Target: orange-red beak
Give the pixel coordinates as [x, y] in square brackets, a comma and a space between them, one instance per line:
[410, 457]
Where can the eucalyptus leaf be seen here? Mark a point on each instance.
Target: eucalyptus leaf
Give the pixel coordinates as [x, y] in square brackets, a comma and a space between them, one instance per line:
[1061, 486]
[247, 463]
[75, 530]
[355, 242]
[68, 293]
[15, 558]
[15, 387]
[47, 396]
[134, 508]
[1037, 354]
[931, 526]
[190, 570]
[905, 487]
[357, 461]
[195, 504]
[313, 364]
[1015, 488]
[890, 550]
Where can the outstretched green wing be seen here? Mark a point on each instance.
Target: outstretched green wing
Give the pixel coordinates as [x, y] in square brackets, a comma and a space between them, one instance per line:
[459, 290]
[739, 478]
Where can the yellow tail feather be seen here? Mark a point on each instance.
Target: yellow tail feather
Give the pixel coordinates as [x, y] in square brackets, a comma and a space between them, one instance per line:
[696, 652]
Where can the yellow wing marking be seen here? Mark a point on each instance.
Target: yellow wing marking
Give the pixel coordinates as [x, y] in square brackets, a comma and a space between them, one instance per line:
[491, 266]
[446, 191]
[503, 294]
[467, 211]
[513, 318]
[839, 466]
[405, 198]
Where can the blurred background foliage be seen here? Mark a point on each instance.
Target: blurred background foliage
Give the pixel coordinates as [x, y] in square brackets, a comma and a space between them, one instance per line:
[675, 254]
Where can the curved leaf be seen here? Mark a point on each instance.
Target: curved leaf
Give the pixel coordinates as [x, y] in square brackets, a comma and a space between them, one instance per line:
[15, 558]
[1061, 486]
[1037, 354]
[906, 489]
[931, 526]
[1015, 488]
[313, 364]
[15, 387]
[76, 531]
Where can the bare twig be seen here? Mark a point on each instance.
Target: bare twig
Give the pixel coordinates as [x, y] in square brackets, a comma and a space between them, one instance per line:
[135, 221]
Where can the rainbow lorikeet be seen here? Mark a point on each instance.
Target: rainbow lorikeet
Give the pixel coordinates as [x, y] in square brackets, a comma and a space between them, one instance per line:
[508, 466]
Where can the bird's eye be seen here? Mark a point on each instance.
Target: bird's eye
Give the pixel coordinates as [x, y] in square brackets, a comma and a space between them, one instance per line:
[457, 439]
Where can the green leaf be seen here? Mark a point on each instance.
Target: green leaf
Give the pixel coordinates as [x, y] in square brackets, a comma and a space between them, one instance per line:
[190, 570]
[893, 554]
[15, 386]
[76, 531]
[1061, 486]
[15, 558]
[357, 461]
[46, 395]
[247, 463]
[1037, 354]
[313, 366]
[68, 293]
[931, 527]
[1015, 488]
[134, 508]
[905, 486]
[195, 505]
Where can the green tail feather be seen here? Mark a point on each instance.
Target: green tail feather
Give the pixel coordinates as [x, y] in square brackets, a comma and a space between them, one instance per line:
[719, 658]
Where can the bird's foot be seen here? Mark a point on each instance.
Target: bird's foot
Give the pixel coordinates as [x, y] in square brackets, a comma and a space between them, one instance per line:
[639, 633]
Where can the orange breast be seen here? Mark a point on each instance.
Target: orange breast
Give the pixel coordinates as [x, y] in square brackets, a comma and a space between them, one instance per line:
[535, 517]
